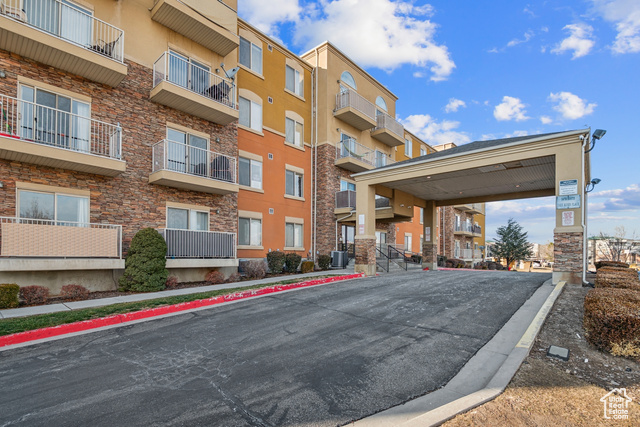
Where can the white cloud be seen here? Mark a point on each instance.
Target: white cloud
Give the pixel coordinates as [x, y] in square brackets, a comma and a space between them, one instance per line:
[454, 104]
[580, 40]
[487, 137]
[377, 33]
[625, 14]
[510, 109]
[545, 120]
[527, 36]
[434, 132]
[571, 106]
[623, 199]
[267, 15]
[528, 10]
[516, 133]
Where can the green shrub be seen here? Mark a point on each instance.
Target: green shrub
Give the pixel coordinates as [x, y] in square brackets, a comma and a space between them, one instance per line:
[145, 266]
[74, 292]
[255, 269]
[292, 261]
[214, 277]
[324, 262]
[33, 295]
[9, 295]
[612, 320]
[275, 261]
[307, 266]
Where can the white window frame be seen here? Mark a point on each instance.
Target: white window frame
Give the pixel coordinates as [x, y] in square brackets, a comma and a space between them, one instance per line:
[298, 81]
[296, 228]
[252, 164]
[408, 242]
[423, 152]
[298, 183]
[191, 218]
[55, 195]
[255, 114]
[421, 215]
[408, 147]
[254, 240]
[253, 65]
[298, 132]
[344, 185]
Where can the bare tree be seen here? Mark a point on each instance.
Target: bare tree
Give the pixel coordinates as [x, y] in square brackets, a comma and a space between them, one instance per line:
[617, 247]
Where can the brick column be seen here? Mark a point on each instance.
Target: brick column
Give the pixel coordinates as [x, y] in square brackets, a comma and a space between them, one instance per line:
[429, 244]
[568, 257]
[365, 256]
[429, 256]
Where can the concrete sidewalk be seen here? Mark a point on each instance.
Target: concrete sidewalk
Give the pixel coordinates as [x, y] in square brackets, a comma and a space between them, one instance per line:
[77, 305]
[484, 377]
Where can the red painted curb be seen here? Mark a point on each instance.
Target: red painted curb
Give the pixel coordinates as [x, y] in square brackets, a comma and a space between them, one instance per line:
[85, 325]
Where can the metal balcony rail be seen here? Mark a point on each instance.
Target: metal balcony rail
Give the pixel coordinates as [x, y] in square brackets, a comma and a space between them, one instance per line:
[180, 72]
[45, 238]
[70, 23]
[199, 244]
[33, 122]
[463, 227]
[476, 229]
[350, 148]
[346, 199]
[349, 98]
[385, 121]
[383, 202]
[188, 159]
[478, 207]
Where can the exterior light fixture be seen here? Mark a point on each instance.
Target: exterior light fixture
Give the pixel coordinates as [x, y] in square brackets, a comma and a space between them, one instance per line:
[592, 184]
[2, 74]
[597, 134]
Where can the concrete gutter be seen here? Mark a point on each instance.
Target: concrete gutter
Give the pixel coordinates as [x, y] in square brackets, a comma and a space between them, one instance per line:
[484, 377]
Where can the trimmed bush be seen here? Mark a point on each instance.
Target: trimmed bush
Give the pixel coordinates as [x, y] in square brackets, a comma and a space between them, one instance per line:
[74, 292]
[492, 265]
[324, 262]
[255, 269]
[9, 295]
[454, 263]
[292, 261]
[214, 277]
[612, 321]
[145, 266]
[32, 295]
[234, 277]
[171, 283]
[617, 277]
[307, 266]
[620, 264]
[275, 261]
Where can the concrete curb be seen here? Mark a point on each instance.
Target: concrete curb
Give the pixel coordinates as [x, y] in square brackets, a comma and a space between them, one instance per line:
[460, 394]
[125, 318]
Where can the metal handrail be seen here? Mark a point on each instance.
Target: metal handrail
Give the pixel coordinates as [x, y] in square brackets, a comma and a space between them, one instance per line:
[178, 157]
[68, 23]
[385, 259]
[350, 148]
[385, 121]
[173, 69]
[349, 98]
[346, 199]
[395, 255]
[33, 122]
[199, 244]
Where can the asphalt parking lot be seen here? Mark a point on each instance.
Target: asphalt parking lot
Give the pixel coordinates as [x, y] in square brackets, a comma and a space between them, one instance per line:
[320, 356]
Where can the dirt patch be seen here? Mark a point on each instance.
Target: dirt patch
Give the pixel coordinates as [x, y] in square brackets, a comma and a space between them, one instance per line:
[551, 392]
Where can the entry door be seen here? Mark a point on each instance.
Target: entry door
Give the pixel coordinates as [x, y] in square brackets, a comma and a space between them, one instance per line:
[348, 234]
[381, 239]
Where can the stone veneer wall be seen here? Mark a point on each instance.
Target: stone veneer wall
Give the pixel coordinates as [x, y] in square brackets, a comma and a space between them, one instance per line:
[446, 243]
[127, 199]
[568, 252]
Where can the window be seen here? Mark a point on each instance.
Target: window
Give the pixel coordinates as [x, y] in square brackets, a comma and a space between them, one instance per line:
[250, 232]
[381, 103]
[348, 79]
[250, 114]
[293, 132]
[56, 207]
[70, 22]
[250, 55]
[380, 159]
[346, 185]
[188, 73]
[49, 118]
[294, 81]
[408, 147]
[187, 219]
[250, 173]
[423, 152]
[293, 183]
[407, 242]
[421, 215]
[457, 223]
[348, 146]
[186, 152]
[293, 235]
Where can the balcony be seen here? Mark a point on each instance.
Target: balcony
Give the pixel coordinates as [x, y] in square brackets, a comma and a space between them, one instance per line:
[63, 36]
[357, 158]
[186, 87]
[462, 230]
[388, 130]
[476, 230]
[345, 201]
[188, 167]
[38, 244]
[472, 208]
[355, 110]
[40, 135]
[196, 26]
[468, 254]
[200, 249]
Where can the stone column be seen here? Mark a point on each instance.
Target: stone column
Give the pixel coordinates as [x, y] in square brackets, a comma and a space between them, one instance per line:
[365, 229]
[429, 246]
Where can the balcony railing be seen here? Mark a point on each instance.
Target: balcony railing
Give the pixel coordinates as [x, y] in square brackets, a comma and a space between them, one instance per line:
[351, 149]
[385, 121]
[40, 238]
[346, 199]
[199, 244]
[178, 157]
[349, 98]
[33, 122]
[176, 70]
[70, 23]
[476, 229]
[469, 254]
[465, 228]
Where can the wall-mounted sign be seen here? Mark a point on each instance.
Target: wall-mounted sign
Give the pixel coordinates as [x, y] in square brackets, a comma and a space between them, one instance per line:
[567, 187]
[361, 224]
[567, 219]
[568, 202]
[427, 234]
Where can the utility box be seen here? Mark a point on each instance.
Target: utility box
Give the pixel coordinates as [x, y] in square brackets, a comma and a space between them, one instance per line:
[339, 259]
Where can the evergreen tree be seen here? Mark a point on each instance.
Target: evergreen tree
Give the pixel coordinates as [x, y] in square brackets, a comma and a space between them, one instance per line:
[511, 244]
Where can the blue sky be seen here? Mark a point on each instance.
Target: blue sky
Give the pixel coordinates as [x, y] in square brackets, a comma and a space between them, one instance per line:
[467, 71]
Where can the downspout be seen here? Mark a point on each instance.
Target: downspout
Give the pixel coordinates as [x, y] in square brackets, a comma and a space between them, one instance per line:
[313, 181]
[315, 153]
[585, 240]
